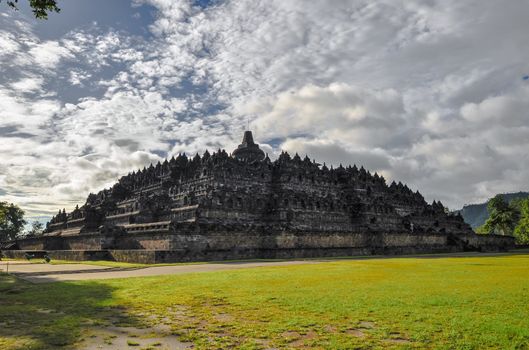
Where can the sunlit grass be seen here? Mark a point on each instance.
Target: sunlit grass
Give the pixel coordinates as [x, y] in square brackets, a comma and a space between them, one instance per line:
[439, 303]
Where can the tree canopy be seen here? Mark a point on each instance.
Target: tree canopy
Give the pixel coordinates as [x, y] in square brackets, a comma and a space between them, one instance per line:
[521, 231]
[40, 8]
[11, 221]
[507, 218]
[502, 217]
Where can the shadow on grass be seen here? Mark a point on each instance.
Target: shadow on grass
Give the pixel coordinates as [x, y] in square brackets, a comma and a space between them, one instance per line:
[54, 316]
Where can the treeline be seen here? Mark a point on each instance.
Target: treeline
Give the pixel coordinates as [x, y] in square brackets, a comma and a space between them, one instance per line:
[507, 218]
[13, 224]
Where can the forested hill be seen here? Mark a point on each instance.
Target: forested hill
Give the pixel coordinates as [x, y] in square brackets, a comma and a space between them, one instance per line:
[476, 214]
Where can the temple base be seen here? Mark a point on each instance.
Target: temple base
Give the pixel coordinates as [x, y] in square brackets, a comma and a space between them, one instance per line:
[230, 245]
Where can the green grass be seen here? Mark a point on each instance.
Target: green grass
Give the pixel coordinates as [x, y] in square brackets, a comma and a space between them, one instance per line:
[409, 303]
[132, 343]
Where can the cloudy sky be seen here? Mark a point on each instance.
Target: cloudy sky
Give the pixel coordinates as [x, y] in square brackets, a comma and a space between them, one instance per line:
[432, 93]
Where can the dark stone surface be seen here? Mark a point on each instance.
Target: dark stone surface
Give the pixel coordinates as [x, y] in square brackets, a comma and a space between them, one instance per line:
[211, 245]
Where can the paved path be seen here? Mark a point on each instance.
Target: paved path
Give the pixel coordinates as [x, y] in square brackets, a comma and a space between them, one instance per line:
[44, 273]
[22, 267]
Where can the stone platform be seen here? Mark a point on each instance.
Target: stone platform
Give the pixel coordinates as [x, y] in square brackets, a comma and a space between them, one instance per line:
[229, 245]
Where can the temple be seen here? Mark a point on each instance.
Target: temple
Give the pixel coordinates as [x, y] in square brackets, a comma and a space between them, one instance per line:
[243, 205]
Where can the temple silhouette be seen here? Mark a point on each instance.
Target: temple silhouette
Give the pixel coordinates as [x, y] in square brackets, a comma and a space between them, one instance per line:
[244, 205]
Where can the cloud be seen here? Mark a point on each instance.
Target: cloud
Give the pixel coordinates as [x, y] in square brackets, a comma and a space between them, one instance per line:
[30, 114]
[507, 110]
[429, 93]
[335, 153]
[48, 54]
[8, 43]
[30, 84]
[338, 112]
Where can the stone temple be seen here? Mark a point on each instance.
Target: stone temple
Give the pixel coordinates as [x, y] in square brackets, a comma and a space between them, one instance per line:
[221, 206]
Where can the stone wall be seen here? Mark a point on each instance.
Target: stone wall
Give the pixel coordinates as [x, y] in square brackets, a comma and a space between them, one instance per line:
[48, 243]
[488, 243]
[193, 244]
[21, 254]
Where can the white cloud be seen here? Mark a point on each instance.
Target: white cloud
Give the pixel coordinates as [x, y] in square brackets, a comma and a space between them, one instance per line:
[48, 54]
[8, 43]
[510, 110]
[30, 115]
[335, 153]
[77, 77]
[429, 93]
[29, 84]
[338, 112]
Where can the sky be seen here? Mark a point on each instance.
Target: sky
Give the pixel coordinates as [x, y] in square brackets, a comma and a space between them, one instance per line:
[431, 93]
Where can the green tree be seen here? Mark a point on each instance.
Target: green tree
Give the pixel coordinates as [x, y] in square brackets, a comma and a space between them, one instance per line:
[516, 204]
[11, 221]
[481, 230]
[502, 217]
[36, 229]
[40, 8]
[521, 231]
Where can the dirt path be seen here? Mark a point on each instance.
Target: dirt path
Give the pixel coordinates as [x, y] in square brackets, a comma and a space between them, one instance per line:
[45, 273]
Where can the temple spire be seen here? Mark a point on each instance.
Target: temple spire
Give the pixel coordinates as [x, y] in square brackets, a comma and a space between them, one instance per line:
[248, 150]
[247, 140]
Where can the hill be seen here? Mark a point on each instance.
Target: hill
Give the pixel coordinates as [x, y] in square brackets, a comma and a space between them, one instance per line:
[476, 214]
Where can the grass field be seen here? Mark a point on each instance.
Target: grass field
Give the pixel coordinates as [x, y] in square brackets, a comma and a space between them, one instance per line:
[409, 303]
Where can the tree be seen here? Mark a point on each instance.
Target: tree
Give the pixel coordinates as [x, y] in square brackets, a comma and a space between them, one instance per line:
[521, 231]
[481, 230]
[11, 221]
[502, 217]
[36, 229]
[40, 8]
